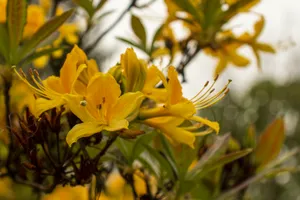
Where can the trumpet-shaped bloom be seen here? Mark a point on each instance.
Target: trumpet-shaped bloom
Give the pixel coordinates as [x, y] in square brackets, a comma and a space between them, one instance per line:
[102, 108]
[178, 106]
[74, 77]
[140, 78]
[134, 71]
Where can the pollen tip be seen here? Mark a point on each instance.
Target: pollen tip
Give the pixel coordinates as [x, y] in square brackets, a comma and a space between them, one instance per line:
[36, 72]
[216, 78]
[212, 91]
[22, 73]
[229, 80]
[207, 82]
[13, 67]
[226, 92]
[30, 71]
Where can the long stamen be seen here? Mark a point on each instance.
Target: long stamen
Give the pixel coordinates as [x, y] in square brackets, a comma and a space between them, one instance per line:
[206, 92]
[39, 88]
[202, 133]
[213, 99]
[205, 100]
[208, 104]
[205, 85]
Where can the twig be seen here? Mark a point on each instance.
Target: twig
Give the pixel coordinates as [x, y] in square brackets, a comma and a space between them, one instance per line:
[91, 47]
[109, 142]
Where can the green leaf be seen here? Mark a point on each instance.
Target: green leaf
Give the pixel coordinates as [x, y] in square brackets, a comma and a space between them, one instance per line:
[167, 149]
[156, 35]
[222, 161]
[163, 163]
[101, 4]
[16, 19]
[139, 29]
[38, 54]
[270, 142]
[214, 151]
[87, 5]
[132, 43]
[45, 31]
[187, 6]
[4, 48]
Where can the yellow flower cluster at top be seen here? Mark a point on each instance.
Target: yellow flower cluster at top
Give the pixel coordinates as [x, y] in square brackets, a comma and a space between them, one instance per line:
[36, 17]
[111, 101]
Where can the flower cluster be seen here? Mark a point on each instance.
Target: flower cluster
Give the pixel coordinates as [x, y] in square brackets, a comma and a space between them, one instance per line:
[115, 100]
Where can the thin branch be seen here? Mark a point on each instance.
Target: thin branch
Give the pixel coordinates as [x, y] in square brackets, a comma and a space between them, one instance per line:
[90, 48]
[109, 142]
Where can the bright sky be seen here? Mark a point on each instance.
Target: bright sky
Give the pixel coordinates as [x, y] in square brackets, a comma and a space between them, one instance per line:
[282, 30]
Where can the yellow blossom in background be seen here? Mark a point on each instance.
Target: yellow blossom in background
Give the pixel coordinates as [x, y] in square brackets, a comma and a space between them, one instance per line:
[68, 193]
[67, 31]
[6, 189]
[41, 61]
[103, 107]
[116, 187]
[3, 4]
[74, 77]
[35, 19]
[46, 5]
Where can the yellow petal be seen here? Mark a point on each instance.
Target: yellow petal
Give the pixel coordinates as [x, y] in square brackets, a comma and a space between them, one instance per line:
[264, 47]
[139, 185]
[82, 109]
[116, 125]
[152, 78]
[68, 72]
[258, 26]
[103, 90]
[126, 105]
[43, 105]
[214, 125]
[85, 129]
[168, 125]
[41, 62]
[174, 87]
[53, 82]
[222, 64]
[238, 60]
[185, 109]
[134, 71]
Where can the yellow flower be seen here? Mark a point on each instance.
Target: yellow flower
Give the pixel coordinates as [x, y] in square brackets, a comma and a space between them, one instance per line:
[227, 54]
[67, 32]
[102, 108]
[138, 77]
[74, 77]
[46, 5]
[41, 61]
[35, 19]
[3, 4]
[176, 109]
[68, 193]
[117, 188]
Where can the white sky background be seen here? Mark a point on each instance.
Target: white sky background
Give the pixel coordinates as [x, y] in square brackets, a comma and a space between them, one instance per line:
[282, 30]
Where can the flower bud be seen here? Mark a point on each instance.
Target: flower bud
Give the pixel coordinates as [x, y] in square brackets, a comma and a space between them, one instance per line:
[134, 71]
